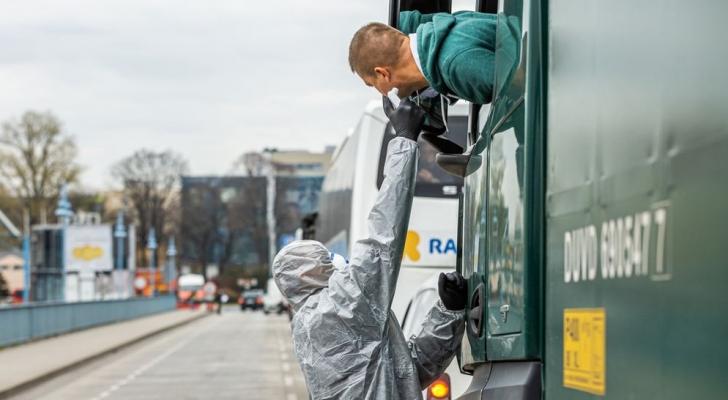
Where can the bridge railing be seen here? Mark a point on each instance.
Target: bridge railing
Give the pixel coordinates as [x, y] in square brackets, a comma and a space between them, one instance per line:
[24, 323]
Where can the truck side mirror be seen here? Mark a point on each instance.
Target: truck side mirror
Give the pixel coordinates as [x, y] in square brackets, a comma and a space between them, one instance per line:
[460, 165]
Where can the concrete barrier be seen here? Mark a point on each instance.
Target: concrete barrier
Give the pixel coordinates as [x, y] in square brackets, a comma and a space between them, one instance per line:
[23, 323]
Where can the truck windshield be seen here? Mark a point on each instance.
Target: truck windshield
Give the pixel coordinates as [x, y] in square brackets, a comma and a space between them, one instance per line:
[432, 181]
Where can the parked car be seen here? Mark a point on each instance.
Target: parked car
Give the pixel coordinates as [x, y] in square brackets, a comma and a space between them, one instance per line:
[251, 299]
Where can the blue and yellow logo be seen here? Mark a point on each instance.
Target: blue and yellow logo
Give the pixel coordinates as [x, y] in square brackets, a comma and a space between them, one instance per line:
[436, 246]
[410, 246]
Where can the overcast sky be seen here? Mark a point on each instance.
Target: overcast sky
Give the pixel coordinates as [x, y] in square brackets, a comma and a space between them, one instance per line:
[207, 79]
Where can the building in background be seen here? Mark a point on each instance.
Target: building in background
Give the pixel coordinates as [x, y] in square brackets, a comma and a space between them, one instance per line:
[296, 197]
[239, 222]
[295, 178]
[223, 223]
[300, 163]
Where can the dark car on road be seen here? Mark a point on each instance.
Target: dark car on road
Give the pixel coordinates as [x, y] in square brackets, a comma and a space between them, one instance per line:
[251, 299]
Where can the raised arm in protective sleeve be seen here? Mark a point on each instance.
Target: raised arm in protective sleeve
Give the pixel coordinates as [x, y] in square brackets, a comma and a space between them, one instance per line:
[375, 260]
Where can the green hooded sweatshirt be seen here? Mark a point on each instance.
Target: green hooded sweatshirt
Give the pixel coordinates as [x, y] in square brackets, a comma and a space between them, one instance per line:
[456, 51]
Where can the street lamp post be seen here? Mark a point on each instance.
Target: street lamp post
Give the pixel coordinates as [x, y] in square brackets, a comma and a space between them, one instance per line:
[171, 262]
[64, 212]
[152, 246]
[119, 235]
[270, 206]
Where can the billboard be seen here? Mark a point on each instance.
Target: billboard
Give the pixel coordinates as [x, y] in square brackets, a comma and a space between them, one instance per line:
[88, 248]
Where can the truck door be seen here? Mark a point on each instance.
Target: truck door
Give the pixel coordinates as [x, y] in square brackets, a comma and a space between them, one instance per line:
[502, 248]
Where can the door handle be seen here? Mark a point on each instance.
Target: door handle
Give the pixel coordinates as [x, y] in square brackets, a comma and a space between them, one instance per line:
[475, 316]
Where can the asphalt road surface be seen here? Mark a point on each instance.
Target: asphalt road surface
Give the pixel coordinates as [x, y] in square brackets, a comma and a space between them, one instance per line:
[236, 355]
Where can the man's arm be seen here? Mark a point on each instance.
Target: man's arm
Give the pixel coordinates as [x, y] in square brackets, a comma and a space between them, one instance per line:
[434, 347]
[457, 52]
[470, 75]
[410, 20]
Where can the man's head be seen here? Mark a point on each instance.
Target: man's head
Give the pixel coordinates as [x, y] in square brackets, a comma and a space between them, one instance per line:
[382, 58]
[301, 269]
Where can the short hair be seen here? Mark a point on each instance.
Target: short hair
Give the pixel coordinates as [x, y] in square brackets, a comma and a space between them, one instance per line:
[374, 45]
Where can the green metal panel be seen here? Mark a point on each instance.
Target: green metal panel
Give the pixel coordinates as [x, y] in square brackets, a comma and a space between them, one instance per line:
[637, 149]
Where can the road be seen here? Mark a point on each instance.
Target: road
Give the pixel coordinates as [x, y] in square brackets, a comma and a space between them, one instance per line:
[235, 355]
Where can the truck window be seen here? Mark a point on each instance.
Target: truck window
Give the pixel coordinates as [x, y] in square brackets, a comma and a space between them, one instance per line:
[432, 181]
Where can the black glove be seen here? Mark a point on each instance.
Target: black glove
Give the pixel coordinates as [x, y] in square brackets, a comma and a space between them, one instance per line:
[407, 119]
[453, 290]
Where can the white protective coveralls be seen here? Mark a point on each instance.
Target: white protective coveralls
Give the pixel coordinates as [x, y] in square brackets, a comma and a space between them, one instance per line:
[346, 338]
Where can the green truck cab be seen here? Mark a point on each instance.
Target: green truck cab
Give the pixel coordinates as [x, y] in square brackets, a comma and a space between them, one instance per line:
[593, 215]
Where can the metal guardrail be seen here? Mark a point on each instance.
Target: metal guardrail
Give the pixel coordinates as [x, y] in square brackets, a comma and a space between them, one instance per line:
[24, 323]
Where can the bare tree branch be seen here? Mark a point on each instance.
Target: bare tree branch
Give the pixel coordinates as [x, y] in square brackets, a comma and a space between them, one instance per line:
[36, 158]
[150, 181]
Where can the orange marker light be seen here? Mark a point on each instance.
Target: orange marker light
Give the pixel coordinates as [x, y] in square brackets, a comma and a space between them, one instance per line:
[440, 389]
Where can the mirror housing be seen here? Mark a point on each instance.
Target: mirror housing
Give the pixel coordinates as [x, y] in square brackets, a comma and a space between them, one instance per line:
[460, 165]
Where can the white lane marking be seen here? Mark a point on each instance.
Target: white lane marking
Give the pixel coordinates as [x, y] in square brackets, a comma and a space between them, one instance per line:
[286, 367]
[288, 381]
[291, 396]
[116, 386]
[141, 370]
[284, 356]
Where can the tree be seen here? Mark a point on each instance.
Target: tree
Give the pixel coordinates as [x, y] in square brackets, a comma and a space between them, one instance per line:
[36, 158]
[247, 216]
[252, 164]
[223, 221]
[150, 180]
[202, 219]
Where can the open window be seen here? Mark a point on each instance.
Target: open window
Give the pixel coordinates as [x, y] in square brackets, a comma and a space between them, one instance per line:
[423, 6]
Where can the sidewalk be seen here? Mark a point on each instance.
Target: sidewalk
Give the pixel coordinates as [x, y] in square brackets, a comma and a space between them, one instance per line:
[30, 363]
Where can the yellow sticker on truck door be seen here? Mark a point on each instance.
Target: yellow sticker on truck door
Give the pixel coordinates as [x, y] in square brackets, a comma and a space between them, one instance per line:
[584, 349]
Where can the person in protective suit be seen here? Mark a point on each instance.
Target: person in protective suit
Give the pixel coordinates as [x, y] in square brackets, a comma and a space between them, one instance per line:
[347, 340]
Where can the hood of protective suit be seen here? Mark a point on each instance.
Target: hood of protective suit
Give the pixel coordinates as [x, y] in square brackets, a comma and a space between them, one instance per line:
[301, 269]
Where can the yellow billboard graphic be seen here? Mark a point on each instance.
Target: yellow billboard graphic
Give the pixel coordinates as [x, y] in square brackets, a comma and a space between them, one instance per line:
[87, 253]
[88, 248]
[410, 246]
